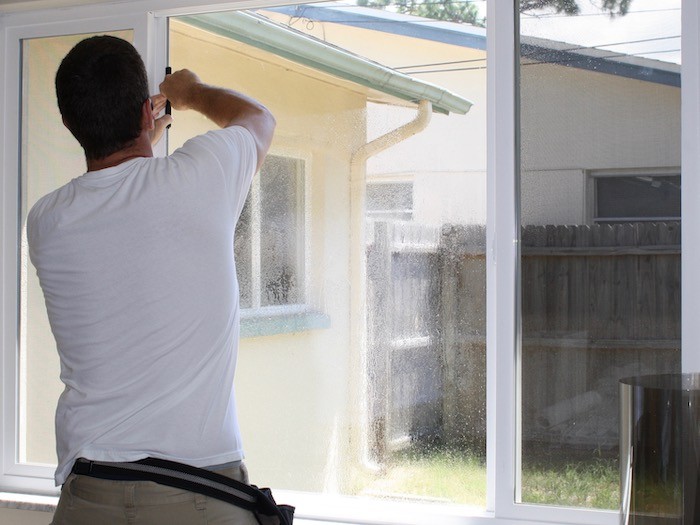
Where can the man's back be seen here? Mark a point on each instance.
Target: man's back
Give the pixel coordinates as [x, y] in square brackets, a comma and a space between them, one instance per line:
[136, 264]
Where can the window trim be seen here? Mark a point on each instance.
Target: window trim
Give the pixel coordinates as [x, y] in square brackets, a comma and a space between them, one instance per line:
[690, 160]
[287, 319]
[503, 337]
[258, 321]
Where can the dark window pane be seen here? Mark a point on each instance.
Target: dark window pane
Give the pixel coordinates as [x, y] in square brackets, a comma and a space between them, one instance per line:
[638, 197]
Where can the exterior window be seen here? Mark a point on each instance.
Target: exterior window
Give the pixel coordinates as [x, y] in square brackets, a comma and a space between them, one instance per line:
[387, 403]
[638, 197]
[269, 239]
[390, 200]
[378, 418]
[600, 285]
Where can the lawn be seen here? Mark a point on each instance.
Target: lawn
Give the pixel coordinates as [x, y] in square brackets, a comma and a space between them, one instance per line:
[592, 483]
[435, 475]
[460, 477]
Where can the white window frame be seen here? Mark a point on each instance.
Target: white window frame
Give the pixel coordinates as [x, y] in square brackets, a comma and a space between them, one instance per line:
[259, 320]
[503, 332]
[13, 474]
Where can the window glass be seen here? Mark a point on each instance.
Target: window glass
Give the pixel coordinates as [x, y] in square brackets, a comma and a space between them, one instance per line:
[638, 197]
[388, 399]
[282, 230]
[599, 90]
[269, 241]
[50, 157]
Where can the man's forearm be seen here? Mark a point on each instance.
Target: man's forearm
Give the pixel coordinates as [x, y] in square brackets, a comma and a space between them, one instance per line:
[224, 107]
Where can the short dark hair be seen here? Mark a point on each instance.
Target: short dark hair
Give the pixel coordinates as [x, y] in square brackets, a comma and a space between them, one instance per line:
[101, 85]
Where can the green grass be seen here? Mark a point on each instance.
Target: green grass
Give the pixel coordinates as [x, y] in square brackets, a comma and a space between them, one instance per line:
[590, 483]
[439, 475]
[460, 477]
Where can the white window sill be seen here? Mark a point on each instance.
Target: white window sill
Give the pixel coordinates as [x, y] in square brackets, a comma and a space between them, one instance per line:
[281, 320]
[31, 502]
[11, 500]
[317, 511]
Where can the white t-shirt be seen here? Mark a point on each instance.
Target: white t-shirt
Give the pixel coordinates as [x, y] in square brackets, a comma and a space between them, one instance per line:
[136, 265]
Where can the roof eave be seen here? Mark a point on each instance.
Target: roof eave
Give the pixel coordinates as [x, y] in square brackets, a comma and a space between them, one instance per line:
[258, 32]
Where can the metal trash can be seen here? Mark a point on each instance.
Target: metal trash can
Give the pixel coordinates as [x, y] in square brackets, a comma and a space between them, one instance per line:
[659, 449]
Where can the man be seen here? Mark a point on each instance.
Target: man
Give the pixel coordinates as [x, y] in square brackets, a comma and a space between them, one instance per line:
[135, 259]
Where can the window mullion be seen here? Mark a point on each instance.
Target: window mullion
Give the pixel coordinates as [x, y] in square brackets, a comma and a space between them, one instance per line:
[690, 159]
[501, 241]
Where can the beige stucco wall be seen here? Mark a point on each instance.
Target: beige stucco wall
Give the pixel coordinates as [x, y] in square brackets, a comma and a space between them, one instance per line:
[574, 121]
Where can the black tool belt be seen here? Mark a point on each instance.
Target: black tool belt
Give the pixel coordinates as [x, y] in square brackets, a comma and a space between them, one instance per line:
[258, 501]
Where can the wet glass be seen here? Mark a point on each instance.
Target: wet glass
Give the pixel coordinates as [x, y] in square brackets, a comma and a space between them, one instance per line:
[383, 238]
[282, 230]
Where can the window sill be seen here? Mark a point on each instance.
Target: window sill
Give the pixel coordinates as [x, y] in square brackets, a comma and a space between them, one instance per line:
[28, 502]
[281, 320]
[35, 503]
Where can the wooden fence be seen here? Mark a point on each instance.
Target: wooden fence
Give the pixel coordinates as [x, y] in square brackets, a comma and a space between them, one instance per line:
[598, 303]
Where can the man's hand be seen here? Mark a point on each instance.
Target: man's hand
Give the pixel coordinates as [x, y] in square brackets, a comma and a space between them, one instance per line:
[179, 88]
[225, 107]
[160, 123]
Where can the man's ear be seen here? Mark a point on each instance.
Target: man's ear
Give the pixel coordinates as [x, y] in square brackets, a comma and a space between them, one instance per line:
[147, 118]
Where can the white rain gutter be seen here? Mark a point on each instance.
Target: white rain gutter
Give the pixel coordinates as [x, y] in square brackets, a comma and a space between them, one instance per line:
[259, 32]
[358, 260]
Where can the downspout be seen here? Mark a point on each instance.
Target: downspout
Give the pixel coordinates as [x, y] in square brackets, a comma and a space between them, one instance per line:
[358, 263]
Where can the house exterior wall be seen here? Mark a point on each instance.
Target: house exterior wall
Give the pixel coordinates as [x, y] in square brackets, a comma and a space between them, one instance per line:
[446, 161]
[50, 158]
[589, 121]
[624, 123]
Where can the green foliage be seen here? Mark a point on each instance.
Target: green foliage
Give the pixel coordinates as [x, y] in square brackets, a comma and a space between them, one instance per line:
[448, 10]
[570, 7]
[432, 475]
[462, 11]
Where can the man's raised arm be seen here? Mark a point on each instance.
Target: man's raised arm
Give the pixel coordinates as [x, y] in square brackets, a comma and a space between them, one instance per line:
[225, 107]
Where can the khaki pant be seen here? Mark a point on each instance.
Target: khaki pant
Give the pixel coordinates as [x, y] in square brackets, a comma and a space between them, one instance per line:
[90, 501]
